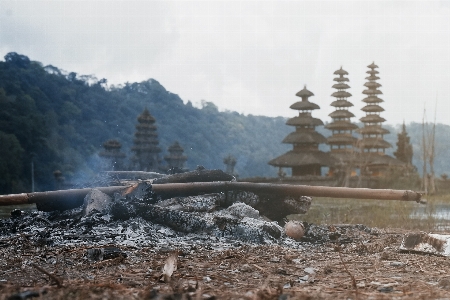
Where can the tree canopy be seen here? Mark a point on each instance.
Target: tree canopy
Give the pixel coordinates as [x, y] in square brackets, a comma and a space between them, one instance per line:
[65, 118]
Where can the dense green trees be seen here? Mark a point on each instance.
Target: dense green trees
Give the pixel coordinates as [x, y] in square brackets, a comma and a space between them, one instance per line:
[10, 163]
[63, 119]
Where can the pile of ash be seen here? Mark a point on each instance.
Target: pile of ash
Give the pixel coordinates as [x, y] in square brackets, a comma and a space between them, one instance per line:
[141, 218]
[172, 223]
[135, 221]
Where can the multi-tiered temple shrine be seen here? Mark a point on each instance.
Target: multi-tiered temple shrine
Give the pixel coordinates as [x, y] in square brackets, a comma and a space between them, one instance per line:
[372, 133]
[342, 142]
[175, 159]
[372, 145]
[347, 153]
[305, 158]
[112, 155]
[145, 146]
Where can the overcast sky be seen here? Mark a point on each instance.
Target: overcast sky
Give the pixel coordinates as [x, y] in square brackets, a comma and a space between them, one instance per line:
[247, 56]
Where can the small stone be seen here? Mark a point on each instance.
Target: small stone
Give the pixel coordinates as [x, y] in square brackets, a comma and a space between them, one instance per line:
[245, 268]
[385, 289]
[310, 270]
[444, 283]
[275, 259]
[303, 279]
[97, 254]
[281, 271]
[384, 255]
[294, 230]
[397, 264]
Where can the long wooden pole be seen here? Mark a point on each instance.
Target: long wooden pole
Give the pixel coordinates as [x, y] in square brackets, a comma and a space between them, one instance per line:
[28, 198]
[199, 188]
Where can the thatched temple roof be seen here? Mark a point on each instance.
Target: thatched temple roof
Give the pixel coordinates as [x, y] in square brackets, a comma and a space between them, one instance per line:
[297, 159]
[304, 137]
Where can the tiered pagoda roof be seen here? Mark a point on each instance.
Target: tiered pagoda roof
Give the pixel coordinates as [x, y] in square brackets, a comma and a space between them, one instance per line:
[305, 158]
[145, 143]
[112, 149]
[372, 133]
[175, 159]
[341, 141]
[113, 154]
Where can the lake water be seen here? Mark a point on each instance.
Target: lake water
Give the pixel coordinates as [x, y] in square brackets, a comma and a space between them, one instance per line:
[439, 212]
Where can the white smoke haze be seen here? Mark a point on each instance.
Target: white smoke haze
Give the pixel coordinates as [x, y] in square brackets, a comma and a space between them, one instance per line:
[247, 56]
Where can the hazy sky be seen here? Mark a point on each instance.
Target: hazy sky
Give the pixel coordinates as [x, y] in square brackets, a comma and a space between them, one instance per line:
[247, 56]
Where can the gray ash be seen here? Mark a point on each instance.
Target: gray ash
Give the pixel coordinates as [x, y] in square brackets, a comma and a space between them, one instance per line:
[173, 223]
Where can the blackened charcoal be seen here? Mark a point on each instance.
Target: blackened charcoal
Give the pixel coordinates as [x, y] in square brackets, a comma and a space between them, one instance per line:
[15, 213]
[97, 254]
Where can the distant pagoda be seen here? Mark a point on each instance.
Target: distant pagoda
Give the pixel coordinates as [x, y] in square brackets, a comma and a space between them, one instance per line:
[372, 133]
[175, 159]
[112, 155]
[374, 161]
[341, 141]
[305, 158]
[230, 162]
[145, 142]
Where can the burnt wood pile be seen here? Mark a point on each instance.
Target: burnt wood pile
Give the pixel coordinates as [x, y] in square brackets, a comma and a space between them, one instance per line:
[206, 202]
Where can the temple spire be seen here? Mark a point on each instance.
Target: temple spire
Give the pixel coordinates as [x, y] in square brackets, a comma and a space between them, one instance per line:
[305, 158]
[341, 127]
[372, 134]
[145, 144]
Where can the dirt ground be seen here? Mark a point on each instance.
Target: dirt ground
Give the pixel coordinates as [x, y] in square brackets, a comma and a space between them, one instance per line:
[368, 266]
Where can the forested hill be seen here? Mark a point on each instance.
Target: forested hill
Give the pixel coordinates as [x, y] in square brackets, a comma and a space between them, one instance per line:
[60, 120]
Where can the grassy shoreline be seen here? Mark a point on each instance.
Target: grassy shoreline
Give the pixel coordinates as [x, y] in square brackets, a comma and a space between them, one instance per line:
[432, 217]
[380, 213]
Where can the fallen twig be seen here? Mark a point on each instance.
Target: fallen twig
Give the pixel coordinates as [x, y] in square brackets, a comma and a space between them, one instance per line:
[261, 269]
[53, 277]
[338, 248]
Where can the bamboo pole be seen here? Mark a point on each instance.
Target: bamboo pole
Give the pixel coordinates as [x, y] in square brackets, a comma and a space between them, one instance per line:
[196, 188]
[199, 188]
[29, 198]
